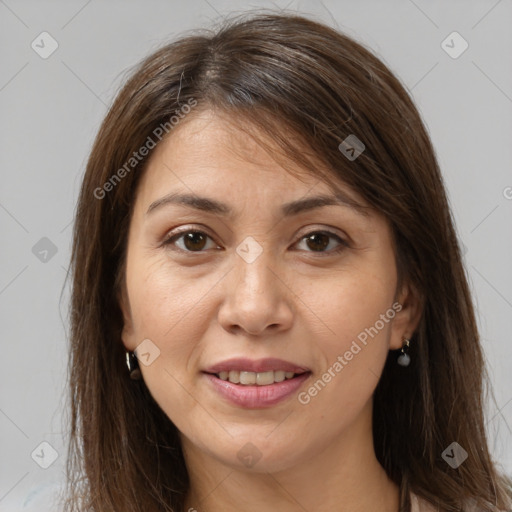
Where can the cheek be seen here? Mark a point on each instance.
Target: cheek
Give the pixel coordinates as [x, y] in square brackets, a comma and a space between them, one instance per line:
[350, 303]
[172, 308]
[165, 306]
[356, 315]
[162, 298]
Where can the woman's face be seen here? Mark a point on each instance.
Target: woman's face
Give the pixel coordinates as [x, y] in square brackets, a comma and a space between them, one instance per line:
[267, 275]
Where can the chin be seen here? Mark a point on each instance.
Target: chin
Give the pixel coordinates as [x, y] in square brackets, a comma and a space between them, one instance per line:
[256, 454]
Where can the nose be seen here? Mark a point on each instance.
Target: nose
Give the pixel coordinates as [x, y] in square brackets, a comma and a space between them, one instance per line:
[256, 299]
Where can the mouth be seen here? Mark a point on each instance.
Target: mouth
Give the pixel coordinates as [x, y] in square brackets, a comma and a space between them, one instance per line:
[257, 390]
[262, 372]
[248, 378]
[256, 384]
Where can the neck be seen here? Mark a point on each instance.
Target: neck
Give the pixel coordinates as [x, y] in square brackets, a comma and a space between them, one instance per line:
[346, 477]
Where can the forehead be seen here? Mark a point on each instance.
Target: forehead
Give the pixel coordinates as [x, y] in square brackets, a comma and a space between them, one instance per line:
[207, 153]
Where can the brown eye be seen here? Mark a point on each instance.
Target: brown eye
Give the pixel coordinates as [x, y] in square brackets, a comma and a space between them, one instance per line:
[189, 241]
[194, 241]
[319, 242]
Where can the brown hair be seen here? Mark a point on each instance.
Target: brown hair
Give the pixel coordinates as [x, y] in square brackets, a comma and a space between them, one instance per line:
[307, 87]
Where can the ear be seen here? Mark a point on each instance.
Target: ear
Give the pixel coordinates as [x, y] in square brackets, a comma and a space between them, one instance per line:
[127, 334]
[409, 308]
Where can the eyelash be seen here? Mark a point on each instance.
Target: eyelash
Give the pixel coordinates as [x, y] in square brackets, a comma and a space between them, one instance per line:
[169, 240]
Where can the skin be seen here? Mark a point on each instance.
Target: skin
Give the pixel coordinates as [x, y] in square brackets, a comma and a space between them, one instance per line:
[305, 306]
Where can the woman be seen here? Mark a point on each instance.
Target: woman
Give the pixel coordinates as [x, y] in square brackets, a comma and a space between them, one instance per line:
[269, 306]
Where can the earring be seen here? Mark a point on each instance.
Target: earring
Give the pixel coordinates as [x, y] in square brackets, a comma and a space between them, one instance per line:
[133, 366]
[404, 358]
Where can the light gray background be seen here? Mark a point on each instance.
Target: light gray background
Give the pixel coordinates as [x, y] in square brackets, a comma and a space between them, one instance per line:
[51, 109]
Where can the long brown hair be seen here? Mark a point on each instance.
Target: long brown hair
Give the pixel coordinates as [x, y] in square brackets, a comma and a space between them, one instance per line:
[306, 87]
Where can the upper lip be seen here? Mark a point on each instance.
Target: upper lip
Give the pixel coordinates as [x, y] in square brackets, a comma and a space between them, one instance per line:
[257, 366]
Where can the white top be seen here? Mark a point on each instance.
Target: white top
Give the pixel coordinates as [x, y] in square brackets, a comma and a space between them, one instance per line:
[420, 505]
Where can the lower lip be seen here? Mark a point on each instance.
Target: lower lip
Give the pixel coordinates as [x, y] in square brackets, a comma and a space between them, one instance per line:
[257, 397]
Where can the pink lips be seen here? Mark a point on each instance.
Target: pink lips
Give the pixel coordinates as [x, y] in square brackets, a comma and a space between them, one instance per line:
[260, 365]
[256, 397]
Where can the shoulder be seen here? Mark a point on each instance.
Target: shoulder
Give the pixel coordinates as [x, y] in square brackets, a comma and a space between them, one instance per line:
[44, 497]
[420, 505]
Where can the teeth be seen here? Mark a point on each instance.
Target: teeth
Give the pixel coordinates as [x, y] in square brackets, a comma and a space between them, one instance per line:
[234, 376]
[265, 378]
[255, 378]
[248, 378]
[279, 376]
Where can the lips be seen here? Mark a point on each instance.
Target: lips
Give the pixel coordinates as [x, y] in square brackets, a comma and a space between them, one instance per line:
[256, 384]
[256, 396]
[241, 364]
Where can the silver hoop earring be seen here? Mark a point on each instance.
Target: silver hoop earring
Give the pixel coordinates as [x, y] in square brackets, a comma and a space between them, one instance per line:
[133, 366]
[404, 358]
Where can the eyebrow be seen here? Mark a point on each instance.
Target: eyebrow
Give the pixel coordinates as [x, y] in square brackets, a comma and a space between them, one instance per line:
[209, 205]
